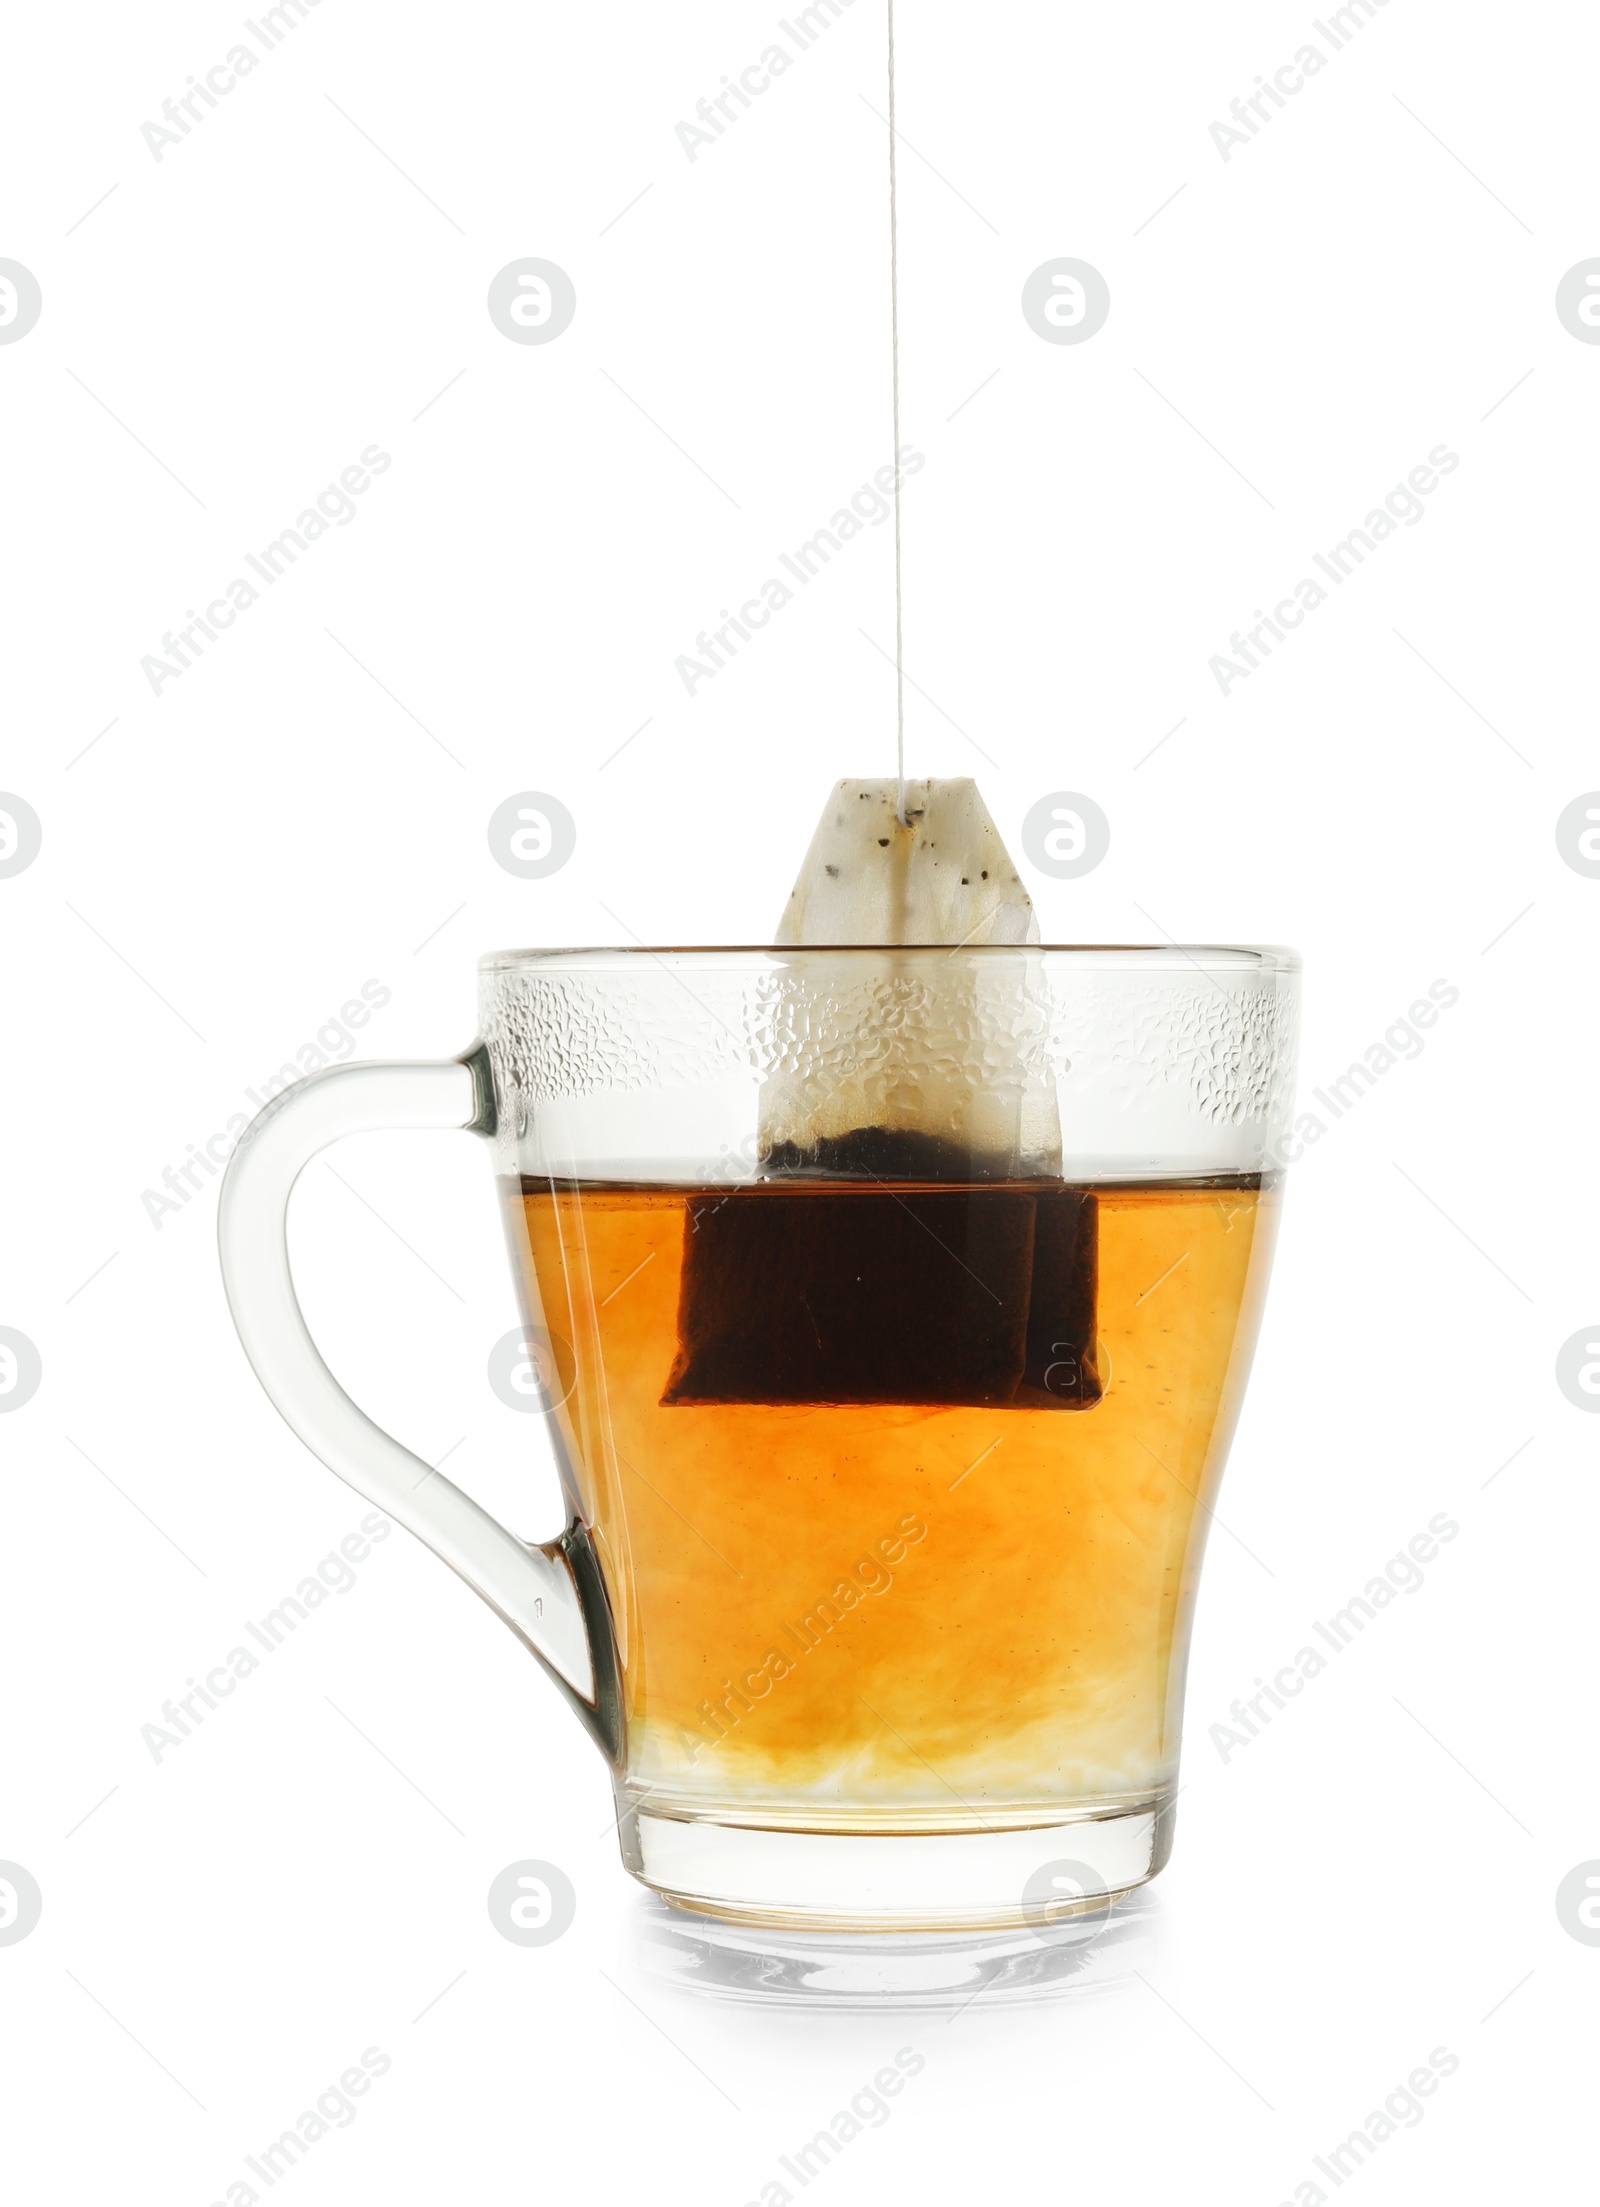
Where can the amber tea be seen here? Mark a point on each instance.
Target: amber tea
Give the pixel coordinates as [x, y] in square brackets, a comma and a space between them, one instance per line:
[899, 1488]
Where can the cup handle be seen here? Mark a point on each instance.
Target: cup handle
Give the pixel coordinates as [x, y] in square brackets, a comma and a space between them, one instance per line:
[551, 1596]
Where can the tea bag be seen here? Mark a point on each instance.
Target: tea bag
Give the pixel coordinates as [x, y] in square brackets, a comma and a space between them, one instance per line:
[940, 876]
[840, 1294]
[908, 1069]
[822, 1283]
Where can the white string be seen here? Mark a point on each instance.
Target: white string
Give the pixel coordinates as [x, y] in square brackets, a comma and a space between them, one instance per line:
[894, 352]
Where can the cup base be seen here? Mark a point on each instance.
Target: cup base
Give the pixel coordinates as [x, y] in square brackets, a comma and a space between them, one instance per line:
[1034, 1875]
[706, 1957]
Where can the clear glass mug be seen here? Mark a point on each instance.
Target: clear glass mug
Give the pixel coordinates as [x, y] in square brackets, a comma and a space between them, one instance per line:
[893, 1311]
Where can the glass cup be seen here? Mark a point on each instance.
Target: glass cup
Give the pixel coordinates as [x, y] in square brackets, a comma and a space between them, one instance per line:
[892, 1310]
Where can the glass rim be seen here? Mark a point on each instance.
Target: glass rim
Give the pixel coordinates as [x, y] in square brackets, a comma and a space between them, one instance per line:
[1206, 957]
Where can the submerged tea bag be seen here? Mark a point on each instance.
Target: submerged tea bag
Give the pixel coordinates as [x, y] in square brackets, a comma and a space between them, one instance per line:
[960, 1296]
[910, 1240]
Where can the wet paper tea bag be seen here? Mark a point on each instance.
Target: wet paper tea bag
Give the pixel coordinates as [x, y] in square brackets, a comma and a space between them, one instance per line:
[911, 1240]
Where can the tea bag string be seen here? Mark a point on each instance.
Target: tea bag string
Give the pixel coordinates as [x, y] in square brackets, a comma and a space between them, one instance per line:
[894, 361]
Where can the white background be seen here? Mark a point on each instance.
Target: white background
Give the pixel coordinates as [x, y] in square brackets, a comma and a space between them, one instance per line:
[305, 808]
